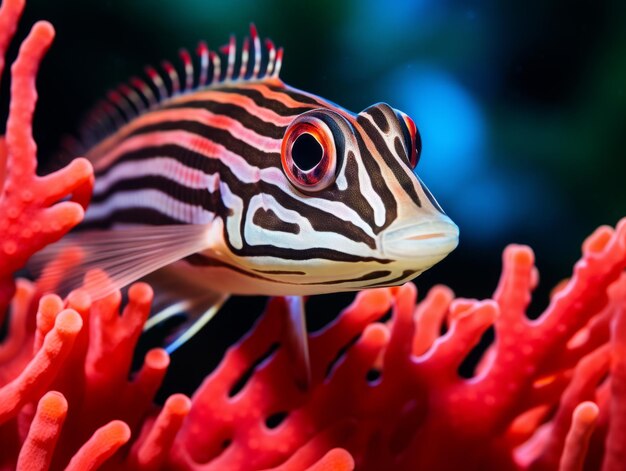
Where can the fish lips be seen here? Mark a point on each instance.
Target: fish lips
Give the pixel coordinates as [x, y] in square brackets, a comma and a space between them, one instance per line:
[430, 240]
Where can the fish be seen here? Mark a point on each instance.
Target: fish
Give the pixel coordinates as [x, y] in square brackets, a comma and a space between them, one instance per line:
[219, 179]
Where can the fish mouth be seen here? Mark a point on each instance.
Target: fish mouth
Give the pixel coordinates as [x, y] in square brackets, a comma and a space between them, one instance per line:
[432, 239]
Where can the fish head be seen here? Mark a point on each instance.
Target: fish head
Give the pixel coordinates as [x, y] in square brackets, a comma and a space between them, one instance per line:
[348, 210]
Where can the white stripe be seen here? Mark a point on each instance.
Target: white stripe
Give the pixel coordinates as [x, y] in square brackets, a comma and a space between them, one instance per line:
[166, 167]
[234, 202]
[371, 196]
[306, 239]
[149, 199]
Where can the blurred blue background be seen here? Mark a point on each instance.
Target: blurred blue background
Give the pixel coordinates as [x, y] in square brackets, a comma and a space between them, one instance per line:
[521, 105]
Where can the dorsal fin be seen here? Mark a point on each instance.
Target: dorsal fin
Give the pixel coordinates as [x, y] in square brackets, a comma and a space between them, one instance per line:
[256, 60]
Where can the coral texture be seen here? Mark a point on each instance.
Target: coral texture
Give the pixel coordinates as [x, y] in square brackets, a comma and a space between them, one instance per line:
[32, 215]
[547, 394]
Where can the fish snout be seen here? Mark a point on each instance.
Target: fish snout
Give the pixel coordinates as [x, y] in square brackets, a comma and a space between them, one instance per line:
[427, 241]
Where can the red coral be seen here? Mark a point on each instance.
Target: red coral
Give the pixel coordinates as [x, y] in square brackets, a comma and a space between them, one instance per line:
[547, 394]
[524, 408]
[420, 414]
[32, 215]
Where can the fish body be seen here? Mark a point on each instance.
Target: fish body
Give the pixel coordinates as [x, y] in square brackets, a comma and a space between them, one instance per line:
[214, 157]
[244, 185]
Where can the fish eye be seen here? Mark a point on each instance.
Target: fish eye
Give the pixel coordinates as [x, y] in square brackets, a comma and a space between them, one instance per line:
[308, 154]
[412, 139]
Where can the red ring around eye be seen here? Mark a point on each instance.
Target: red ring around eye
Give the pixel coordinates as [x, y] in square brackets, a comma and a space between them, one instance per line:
[415, 139]
[322, 173]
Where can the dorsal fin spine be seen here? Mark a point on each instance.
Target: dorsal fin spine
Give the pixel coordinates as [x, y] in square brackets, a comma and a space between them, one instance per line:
[257, 51]
[118, 100]
[217, 66]
[279, 62]
[104, 116]
[111, 113]
[158, 82]
[271, 49]
[231, 51]
[245, 56]
[203, 54]
[145, 90]
[188, 65]
[172, 73]
[138, 95]
[133, 97]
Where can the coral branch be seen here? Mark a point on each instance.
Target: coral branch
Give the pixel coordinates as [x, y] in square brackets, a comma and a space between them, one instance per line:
[43, 368]
[429, 317]
[314, 454]
[100, 447]
[465, 332]
[31, 215]
[156, 447]
[20, 145]
[590, 370]
[10, 12]
[18, 325]
[577, 441]
[615, 456]
[38, 448]
[336, 459]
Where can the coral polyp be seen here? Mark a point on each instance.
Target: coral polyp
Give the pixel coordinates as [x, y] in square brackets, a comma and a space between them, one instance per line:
[385, 393]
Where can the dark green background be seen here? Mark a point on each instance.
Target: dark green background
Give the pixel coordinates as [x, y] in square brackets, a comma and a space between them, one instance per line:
[521, 106]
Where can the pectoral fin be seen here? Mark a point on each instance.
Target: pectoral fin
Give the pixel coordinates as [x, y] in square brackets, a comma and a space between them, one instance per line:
[124, 255]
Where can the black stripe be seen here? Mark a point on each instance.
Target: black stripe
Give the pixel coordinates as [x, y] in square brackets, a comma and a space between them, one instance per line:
[368, 276]
[401, 175]
[430, 196]
[379, 118]
[296, 95]
[201, 260]
[337, 132]
[182, 193]
[192, 159]
[306, 254]
[280, 272]
[400, 150]
[238, 113]
[321, 221]
[146, 216]
[379, 185]
[261, 100]
[408, 140]
[219, 136]
[269, 220]
[352, 196]
[394, 281]
[206, 261]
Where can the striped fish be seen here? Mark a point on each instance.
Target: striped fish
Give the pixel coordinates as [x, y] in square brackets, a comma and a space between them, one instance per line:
[240, 184]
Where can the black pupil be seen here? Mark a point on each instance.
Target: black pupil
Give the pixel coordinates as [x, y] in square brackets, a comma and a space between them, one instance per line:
[306, 152]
